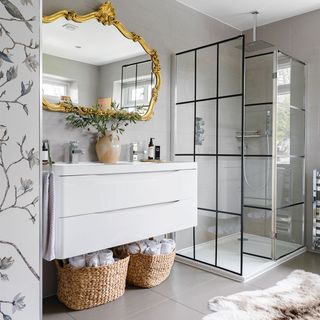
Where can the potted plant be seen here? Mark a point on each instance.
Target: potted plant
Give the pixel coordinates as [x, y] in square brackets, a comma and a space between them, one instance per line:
[109, 125]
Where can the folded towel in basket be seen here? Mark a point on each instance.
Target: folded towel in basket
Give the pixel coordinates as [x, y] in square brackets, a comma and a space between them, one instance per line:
[153, 250]
[167, 246]
[136, 247]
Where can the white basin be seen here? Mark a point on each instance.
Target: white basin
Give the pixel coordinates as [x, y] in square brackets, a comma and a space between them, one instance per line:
[91, 163]
[87, 168]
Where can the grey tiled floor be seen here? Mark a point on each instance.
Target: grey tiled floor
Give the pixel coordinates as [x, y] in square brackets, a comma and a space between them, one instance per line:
[184, 295]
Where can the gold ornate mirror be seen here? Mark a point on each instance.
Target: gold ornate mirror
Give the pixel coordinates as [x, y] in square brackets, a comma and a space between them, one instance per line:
[88, 61]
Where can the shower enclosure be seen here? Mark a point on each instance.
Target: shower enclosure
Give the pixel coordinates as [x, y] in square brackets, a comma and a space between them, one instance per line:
[241, 118]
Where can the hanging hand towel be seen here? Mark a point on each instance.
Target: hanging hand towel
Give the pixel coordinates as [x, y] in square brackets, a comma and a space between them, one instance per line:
[48, 216]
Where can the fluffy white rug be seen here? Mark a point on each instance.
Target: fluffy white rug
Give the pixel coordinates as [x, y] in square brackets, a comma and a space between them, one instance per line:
[296, 297]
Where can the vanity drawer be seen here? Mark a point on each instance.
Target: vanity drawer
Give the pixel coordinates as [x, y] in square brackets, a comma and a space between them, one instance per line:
[92, 232]
[86, 194]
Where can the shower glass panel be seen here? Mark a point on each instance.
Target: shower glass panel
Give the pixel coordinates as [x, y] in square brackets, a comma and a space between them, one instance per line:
[257, 230]
[229, 255]
[206, 73]
[185, 77]
[205, 236]
[230, 68]
[185, 128]
[230, 126]
[205, 127]
[208, 127]
[289, 150]
[257, 182]
[273, 170]
[259, 81]
[249, 147]
[257, 167]
[206, 182]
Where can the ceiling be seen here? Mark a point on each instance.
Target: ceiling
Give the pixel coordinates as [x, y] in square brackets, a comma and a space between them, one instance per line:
[89, 42]
[236, 13]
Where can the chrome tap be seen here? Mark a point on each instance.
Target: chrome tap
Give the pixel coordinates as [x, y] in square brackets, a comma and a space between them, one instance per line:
[74, 152]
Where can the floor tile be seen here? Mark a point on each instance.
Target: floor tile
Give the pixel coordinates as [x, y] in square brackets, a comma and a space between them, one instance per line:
[184, 295]
[61, 316]
[307, 261]
[134, 300]
[168, 310]
[183, 278]
[200, 295]
[54, 310]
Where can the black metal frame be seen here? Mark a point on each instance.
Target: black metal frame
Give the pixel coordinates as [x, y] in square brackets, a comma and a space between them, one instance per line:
[136, 64]
[217, 155]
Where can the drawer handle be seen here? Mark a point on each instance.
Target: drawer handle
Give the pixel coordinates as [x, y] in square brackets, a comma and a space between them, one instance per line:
[122, 209]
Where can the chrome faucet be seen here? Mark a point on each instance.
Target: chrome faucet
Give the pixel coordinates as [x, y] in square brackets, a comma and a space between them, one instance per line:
[74, 152]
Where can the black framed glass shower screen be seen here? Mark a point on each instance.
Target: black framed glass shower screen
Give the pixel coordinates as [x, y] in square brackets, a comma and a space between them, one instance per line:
[209, 120]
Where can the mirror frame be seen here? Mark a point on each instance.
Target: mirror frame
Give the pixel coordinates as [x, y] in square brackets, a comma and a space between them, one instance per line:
[106, 15]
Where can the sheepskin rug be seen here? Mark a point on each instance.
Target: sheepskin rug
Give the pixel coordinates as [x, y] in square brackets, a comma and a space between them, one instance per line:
[295, 298]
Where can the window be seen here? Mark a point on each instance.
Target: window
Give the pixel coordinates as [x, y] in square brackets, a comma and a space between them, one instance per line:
[54, 88]
[133, 96]
[284, 112]
[137, 81]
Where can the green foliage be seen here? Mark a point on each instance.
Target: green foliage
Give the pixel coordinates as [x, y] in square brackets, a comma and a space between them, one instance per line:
[114, 120]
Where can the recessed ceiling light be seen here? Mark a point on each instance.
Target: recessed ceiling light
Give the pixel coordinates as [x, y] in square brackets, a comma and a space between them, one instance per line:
[70, 27]
[78, 47]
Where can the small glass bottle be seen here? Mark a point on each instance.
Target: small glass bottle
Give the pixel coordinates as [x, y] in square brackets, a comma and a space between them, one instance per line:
[45, 152]
[151, 149]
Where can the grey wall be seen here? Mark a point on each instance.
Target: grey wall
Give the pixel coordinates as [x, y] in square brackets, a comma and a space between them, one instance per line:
[112, 72]
[299, 38]
[85, 75]
[169, 27]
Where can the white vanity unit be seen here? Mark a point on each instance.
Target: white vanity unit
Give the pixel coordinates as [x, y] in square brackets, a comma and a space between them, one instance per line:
[101, 206]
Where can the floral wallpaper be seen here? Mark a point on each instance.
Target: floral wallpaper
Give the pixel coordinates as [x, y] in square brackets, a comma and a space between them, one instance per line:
[19, 160]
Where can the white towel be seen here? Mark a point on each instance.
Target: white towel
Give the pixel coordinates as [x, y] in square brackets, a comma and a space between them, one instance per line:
[105, 257]
[153, 250]
[136, 247]
[48, 216]
[167, 246]
[92, 259]
[151, 243]
[78, 262]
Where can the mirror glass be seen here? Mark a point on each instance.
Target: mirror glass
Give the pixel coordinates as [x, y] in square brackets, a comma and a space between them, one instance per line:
[89, 64]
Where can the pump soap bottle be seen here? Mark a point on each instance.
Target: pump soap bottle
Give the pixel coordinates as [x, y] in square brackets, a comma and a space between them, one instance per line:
[45, 152]
[151, 149]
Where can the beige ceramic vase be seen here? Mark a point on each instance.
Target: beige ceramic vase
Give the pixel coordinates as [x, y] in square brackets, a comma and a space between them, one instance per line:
[108, 148]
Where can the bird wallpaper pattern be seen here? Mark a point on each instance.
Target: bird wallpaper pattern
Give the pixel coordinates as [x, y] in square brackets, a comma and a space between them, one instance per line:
[19, 160]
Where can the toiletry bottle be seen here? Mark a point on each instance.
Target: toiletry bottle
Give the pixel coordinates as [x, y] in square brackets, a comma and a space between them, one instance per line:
[45, 152]
[151, 149]
[134, 152]
[157, 153]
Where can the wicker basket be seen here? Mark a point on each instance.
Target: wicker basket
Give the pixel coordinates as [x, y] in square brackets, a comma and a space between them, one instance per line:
[146, 271]
[85, 288]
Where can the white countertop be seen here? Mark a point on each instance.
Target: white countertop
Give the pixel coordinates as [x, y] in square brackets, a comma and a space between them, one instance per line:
[95, 168]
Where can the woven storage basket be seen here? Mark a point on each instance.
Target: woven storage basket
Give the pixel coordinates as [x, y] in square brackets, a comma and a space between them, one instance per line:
[83, 288]
[146, 271]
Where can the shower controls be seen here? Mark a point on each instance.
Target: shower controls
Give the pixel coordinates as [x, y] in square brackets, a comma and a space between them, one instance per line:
[199, 136]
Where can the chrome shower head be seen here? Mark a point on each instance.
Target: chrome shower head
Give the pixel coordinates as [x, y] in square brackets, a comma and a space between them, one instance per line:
[257, 46]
